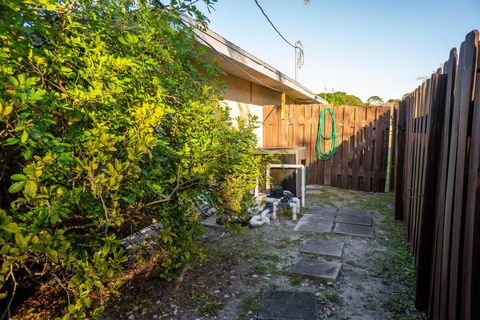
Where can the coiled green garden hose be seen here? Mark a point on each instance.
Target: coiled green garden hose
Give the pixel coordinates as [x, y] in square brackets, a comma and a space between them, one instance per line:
[318, 148]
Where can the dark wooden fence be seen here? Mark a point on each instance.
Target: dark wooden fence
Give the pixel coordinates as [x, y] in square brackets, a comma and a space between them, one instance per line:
[360, 162]
[438, 185]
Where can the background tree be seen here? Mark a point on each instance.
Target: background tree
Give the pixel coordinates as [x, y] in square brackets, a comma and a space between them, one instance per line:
[340, 98]
[374, 100]
[393, 100]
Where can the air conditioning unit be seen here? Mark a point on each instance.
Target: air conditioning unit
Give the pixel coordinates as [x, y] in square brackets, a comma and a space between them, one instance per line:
[288, 179]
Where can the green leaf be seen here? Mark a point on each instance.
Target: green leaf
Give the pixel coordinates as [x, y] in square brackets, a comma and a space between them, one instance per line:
[13, 81]
[18, 177]
[31, 188]
[20, 240]
[24, 137]
[54, 218]
[52, 255]
[17, 186]
[10, 227]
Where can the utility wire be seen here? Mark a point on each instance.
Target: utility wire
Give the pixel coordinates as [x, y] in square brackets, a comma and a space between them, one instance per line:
[273, 26]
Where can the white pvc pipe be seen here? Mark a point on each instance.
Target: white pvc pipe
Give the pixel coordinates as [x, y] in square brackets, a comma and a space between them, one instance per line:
[294, 210]
[297, 201]
[275, 205]
[290, 166]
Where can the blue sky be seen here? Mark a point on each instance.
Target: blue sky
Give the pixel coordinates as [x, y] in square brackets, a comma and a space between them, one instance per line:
[363, 47]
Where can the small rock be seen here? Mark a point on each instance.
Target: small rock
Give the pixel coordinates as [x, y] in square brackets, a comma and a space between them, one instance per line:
[317, 294]
[226, 296]
[135, 308]
[254, 276]
[216, 291]
[155, 316]
[331, 284]
[131, 317]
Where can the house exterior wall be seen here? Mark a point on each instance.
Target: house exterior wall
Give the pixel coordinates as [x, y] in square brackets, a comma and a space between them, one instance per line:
[243, 110]
[241, 90]
[246, 98]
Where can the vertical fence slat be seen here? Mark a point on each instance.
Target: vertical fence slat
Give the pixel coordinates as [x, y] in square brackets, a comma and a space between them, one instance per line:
[440, 202]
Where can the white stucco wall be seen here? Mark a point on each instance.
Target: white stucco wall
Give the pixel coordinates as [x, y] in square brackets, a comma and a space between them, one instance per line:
[242, 110]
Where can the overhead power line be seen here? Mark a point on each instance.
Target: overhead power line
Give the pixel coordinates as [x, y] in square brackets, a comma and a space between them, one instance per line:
[297, 46]
[273, 26]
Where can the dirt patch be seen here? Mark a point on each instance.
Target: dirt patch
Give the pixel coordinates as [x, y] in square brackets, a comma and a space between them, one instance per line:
[376, 280]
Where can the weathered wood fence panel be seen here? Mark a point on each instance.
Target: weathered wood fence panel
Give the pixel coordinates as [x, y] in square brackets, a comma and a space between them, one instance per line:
[360, 162]
[438, 195]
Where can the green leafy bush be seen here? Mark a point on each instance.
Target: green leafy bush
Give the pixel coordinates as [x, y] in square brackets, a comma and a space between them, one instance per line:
[109, 119]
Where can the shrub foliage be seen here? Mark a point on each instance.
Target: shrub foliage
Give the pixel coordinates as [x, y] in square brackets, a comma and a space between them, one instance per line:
[109, 118]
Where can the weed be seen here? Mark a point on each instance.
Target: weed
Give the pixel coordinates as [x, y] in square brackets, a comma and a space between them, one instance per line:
[370, 306]
[249, 304]
[295, 280]
[206, 305]
[209, 308]
[400, 304]
[351, 262]
[333, 296]
[263, 268]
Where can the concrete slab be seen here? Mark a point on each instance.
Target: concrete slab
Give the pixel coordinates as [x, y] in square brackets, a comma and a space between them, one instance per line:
[211, 222]
[327, 212]
[354, 212]
[314, 226]
[361, 220]
[284, 305]
[316, 218]
[354, 230]
[324, 247]
[317, 269]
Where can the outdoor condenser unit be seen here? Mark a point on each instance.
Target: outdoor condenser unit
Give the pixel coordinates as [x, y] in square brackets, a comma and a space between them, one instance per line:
[288, 179]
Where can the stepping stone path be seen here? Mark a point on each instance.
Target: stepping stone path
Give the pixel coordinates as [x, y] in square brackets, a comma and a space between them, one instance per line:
[354, 230]
[314, 226]
[324, 247]
[360, 220]
[315, 223]
[282, 305]
[317, 269]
